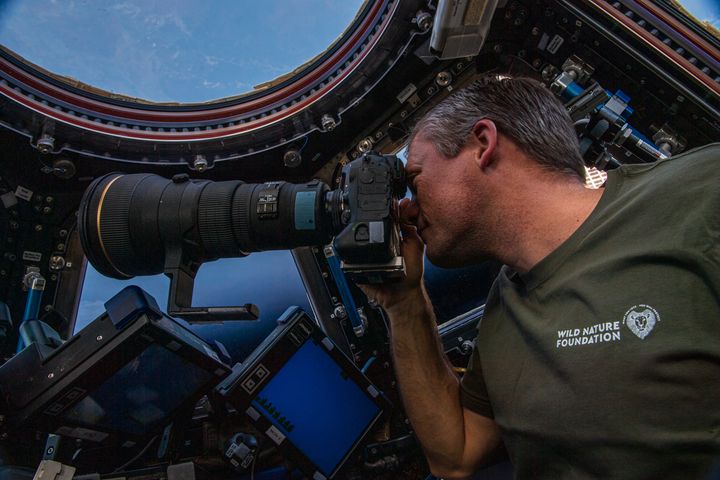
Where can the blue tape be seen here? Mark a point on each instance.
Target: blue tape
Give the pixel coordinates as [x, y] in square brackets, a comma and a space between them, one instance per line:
[305, 211]
[344, 290]
[32, 310]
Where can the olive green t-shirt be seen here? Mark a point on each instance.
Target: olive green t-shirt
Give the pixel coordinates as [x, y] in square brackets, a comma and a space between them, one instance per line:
[603, 361]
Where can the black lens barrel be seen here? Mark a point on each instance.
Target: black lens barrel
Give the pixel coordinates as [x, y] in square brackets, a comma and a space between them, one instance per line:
[128, 223]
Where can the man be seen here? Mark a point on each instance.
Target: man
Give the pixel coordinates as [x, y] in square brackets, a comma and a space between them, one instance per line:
[599, 353]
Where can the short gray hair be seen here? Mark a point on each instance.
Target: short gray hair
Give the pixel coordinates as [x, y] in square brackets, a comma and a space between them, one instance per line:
[522, 109]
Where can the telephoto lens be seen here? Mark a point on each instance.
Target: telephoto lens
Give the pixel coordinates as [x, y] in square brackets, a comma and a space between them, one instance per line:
[129, 223]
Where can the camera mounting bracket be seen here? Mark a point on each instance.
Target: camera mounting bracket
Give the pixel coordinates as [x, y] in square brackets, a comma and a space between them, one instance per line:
[182, 282]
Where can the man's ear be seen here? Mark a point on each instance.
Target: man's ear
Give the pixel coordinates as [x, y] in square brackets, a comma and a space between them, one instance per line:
[485, 134]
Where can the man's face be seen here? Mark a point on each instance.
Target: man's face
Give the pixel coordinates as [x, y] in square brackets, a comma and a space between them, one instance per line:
[442, 204]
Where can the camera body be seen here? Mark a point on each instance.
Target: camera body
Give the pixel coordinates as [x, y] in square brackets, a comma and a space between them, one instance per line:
[369, 243]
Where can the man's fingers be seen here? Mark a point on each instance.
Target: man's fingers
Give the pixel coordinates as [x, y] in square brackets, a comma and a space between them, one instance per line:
[408, 211]
[411, 239]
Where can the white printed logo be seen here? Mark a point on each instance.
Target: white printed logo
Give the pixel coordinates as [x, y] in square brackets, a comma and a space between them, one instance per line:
[641, 320]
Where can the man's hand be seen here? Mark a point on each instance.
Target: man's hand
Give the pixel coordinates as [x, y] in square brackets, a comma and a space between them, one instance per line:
[455, 440]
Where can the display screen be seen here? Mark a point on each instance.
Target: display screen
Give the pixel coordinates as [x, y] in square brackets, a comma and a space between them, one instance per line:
[314, 403]
[142, 394]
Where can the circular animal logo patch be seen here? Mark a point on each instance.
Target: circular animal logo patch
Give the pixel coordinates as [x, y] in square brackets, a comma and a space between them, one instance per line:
[641, 319]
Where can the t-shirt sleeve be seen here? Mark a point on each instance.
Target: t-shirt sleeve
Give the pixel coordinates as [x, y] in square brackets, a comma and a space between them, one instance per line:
[473, 392]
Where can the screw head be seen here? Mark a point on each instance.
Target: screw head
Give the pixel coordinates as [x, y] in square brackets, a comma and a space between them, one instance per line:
[99, 338]
[292, 158]
[51, 375]
[57, 262]
[365, 145]
[443, 79]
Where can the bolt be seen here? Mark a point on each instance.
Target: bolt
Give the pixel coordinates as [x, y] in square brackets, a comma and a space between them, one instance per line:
[466, 347]
[443, 79]
[68, 264]
[47, 210]
[365, 144]
[49, 199]
[424, 21]
[50, 450]
[38, 228]
[48, 308]
[200, 163]
[498, 48]
[328, 123]
[99, 338]
[51, 375]
[292, 158]
[60, 246]
[53, 277]
[46, 144]
[535, 31]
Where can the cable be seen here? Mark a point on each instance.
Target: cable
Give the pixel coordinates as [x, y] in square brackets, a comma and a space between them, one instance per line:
[303, 145]
[136, 457]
